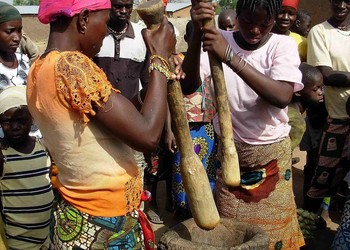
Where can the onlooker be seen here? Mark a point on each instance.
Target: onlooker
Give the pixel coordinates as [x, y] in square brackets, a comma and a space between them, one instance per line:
[310, 96]
[327, 52]
[261, 76]
[227, 20]
[284, 21]
[14, 66]
[302, 23]
[123, 55]
[28, 47]
[26, 191]
[91, 130]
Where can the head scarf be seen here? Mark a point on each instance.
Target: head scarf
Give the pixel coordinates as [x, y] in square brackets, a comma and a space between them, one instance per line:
[8, 13]
[49, 10]
[291, 3]
[12, 97]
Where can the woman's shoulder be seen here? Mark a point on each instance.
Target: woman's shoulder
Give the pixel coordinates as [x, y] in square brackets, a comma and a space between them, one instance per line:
[281, 39]
[69, 60]
[323, 25]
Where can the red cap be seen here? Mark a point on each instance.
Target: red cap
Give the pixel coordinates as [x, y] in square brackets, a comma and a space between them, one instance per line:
[291, 3]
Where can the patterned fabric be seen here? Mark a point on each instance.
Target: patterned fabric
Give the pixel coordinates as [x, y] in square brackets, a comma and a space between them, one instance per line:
[204, 144]
[14, 77]
[342, 237]
[26, 198]
[200, 105]
[265, 197]
[334, 159]
[77, 92]
[73, 229]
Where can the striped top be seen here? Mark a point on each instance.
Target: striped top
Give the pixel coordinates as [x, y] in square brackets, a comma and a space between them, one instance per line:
[26, 197]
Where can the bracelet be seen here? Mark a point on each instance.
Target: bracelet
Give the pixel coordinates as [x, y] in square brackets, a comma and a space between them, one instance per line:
[139, 98]
[160, 68]
[227, 52]
[230, 57]
[245, 63]
[240, 61]
[165, 62]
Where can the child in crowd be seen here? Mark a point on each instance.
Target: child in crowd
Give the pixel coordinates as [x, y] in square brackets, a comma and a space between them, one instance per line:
[26, 192]
[310, 96]
[302, 24]
[307, 132]
[284, 21]
[227, 20]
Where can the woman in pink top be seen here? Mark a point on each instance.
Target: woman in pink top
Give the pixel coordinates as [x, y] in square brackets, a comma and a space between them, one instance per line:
[261, 73]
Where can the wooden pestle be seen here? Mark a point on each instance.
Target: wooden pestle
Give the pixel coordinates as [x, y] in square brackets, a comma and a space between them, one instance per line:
[229, 160]
[194, 176]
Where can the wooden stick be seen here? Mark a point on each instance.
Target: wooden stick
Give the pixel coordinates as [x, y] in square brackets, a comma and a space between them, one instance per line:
[194, 176]
[229, 160]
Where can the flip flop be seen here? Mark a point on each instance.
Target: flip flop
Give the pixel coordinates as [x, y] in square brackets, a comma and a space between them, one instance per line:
[153, 217]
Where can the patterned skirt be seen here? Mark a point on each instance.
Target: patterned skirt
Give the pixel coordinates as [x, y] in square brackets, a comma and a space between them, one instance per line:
[265, 196]
[73, 229]
[342, 238]
[204, 143]
[334, 160]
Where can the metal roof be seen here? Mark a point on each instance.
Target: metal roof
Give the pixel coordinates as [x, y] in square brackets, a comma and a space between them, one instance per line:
[172, 7]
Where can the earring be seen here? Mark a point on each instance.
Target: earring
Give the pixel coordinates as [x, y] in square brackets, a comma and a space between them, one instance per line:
[82, 31]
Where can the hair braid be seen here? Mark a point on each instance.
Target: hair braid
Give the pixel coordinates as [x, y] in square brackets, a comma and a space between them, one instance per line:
[272, 6]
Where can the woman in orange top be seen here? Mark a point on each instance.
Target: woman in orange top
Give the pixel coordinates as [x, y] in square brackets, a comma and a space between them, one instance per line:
[91, 130]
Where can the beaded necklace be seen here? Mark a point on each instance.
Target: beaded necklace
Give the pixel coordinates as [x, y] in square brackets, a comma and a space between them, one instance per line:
[118, 34]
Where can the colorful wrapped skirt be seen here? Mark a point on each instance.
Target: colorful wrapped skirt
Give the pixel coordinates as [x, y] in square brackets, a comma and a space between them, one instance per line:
[73, 229]
[204, 143]
[265, 196]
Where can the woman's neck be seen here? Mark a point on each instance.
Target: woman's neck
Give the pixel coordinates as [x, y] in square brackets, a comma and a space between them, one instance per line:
[9, 59]
[118, 26]
[247, 46]
[280, 32]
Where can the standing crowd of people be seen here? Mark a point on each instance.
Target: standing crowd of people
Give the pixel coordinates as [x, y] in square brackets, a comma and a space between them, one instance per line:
[86, 127]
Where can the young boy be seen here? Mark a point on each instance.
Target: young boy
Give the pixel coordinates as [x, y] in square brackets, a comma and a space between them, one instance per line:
[26, 191]
[309, 97]
[227, 20]
[302, 24]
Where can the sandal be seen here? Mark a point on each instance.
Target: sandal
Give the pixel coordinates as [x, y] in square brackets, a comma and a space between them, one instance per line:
[153, 217]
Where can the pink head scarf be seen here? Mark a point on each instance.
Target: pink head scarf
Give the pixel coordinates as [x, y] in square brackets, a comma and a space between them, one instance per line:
[49, 10]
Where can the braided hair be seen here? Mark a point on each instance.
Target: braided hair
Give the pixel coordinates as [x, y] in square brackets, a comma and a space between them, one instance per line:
[272, 6]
